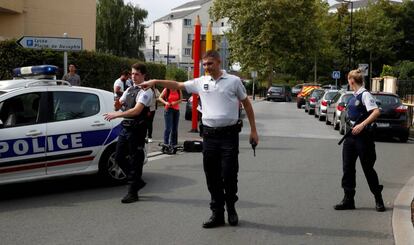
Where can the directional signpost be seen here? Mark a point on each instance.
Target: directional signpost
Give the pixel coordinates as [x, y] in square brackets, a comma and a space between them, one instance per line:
[336, 75]
[64, 44]
[53, 43]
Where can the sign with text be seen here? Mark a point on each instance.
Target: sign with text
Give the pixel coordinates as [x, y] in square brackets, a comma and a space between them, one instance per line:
[53, 43]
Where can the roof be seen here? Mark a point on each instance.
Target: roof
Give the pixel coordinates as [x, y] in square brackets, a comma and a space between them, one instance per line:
[191, 4]
[358, 4]
[183, 10]
[177, 15]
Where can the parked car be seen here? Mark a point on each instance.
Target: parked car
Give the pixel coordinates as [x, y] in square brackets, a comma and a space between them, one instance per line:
[394, 119]
[279, 92]
[337, 107]
[322, 104]
[330, 87]
[312, 99]
[305, 91]
[296, 89]
[49, 128]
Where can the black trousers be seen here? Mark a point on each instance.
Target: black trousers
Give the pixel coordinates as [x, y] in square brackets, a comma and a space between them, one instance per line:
[361, 146]
[221, 167]
[130, 154]
[150, 121]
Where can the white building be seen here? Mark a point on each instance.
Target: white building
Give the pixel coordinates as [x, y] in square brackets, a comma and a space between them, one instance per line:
[355, 5]
[173, 34]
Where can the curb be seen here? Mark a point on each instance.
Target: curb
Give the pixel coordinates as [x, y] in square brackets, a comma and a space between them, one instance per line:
[401, 217]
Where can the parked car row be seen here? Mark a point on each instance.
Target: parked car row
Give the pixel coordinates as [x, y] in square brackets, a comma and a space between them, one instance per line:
[330, 106]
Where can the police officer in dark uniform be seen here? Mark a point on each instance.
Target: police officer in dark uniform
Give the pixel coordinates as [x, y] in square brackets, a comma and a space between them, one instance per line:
[362, 111]
[130, 149]
[220, 94]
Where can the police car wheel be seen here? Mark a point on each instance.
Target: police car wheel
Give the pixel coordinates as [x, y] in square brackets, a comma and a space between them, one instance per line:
[109, 170]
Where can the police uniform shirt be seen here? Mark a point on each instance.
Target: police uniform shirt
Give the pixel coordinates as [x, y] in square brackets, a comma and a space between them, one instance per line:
[367, 99]
[144, 97]
[220, 98]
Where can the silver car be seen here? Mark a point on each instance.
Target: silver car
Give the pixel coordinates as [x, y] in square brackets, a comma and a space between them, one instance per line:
[336, 107]
[322, 104]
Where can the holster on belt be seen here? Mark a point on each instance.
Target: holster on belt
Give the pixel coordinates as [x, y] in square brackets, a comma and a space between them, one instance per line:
[220, 131]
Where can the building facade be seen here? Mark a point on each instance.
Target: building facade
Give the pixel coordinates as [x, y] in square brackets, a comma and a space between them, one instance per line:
[173, 34]
[48, 18]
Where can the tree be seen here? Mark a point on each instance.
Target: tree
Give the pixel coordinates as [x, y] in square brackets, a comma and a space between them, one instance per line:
[375, 35]
[119, 28]
[273, 36]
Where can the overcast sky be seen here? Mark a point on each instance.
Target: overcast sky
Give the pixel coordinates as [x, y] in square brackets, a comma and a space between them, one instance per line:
[159, 8]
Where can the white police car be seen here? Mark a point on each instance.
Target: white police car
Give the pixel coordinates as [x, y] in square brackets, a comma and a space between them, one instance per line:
[49, 128]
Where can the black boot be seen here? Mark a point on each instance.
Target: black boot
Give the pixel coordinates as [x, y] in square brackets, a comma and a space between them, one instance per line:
[347, 203]
[232, 216]
[131, 196]
[379, 203]
[216, 219]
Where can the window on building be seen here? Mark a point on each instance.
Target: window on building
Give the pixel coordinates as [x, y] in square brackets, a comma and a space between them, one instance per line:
[187, 51]
[187, 22]
[189, 39]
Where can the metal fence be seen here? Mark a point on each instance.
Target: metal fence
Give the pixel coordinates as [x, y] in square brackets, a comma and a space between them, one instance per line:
[406, 91]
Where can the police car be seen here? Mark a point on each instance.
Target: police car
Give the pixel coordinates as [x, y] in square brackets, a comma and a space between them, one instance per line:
[49, 128]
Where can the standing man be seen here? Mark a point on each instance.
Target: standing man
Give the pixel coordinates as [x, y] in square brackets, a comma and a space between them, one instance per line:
[121, 84]
[131, 140]
[71, 76]
[220, 94]
[362, 110]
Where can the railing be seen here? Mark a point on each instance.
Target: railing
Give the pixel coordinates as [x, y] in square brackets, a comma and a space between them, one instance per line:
[406, 91]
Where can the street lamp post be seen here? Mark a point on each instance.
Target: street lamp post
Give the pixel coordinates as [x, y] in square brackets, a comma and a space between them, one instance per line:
[168, 23]
[350, 32]
[153, 41]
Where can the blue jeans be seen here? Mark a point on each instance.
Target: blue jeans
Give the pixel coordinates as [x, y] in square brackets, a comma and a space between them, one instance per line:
[171, 117]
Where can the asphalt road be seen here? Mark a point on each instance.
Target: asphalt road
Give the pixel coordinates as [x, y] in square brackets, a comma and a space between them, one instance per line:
[286, 195]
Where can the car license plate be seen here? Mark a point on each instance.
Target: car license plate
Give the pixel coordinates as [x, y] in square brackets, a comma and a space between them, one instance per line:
[383, 125]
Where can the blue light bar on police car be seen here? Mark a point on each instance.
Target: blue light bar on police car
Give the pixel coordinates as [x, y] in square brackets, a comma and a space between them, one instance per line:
[35, 70]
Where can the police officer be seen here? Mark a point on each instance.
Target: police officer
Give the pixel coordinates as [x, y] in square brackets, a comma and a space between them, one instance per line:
[362, 111]
[131, 140]
[220, 94]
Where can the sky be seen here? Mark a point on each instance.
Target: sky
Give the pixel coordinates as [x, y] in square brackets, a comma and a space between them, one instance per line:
[159, 8]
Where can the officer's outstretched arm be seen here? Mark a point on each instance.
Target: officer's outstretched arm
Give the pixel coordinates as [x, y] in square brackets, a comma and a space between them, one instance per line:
[163, 83]
[250, 115]
[129, 113]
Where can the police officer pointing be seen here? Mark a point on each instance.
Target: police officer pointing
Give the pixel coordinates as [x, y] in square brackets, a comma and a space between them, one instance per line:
[220, 94]
[131, 140]
[362, 111]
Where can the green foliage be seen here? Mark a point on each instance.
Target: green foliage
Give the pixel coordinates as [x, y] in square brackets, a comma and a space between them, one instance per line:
[95, 69]
[273, 35]
[176, 74]
[387, 70]
[119, 28]
[405, 70]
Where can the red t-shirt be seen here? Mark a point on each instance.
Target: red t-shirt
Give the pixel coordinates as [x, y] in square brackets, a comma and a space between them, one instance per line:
[172, 97]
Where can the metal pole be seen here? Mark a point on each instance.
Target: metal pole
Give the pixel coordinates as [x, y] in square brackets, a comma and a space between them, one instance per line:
[65, 58]
[350, 38]
[168, 53]
[153, 41]
[253, 92]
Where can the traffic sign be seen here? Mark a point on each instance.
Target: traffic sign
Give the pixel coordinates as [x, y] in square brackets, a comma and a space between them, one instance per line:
[336, 74]
[364, 68]
[171, 56]
[53, 43]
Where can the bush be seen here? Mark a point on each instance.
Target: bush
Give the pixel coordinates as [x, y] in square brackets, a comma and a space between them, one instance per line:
[387, 70]
[96, 70]
[405, 70]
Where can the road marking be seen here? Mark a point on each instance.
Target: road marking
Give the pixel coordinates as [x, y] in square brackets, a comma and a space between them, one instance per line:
[401, 217]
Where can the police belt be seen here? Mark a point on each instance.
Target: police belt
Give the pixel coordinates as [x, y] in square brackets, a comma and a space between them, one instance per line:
[130, 123]
[220, 131]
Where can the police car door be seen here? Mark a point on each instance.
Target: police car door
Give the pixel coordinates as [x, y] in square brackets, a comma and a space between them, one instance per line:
[22, 135]
[76, 130]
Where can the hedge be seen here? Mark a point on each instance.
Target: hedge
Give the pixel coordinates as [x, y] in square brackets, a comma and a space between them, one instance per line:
[96, 70]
